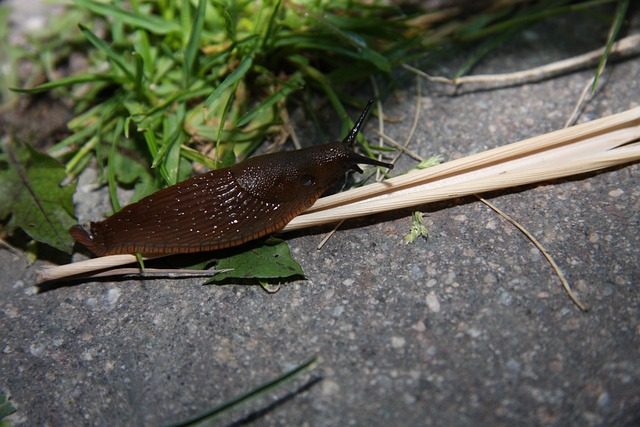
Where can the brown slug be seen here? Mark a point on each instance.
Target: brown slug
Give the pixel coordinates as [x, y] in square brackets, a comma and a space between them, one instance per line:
[227, 207]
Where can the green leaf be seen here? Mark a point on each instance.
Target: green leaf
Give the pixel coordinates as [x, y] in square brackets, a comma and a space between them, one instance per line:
[6, 408]
[33, 199]
[272, 260]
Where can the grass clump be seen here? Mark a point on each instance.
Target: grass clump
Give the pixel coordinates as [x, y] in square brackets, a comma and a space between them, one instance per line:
[181, 81]
[176, 83]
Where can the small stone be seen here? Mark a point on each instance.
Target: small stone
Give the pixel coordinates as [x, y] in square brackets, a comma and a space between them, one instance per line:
[513, 365]
[474, 332]
[398, 342]
[36, 350]
[490, 279]
[113, 295]
[409, 399]
[419, 326]
[338, 310]
[505, 298]
[604, 400]
[616, 193]
[432, 302]
[330, 387]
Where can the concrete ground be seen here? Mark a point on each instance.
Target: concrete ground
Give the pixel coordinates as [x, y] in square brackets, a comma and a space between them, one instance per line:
[469, 327]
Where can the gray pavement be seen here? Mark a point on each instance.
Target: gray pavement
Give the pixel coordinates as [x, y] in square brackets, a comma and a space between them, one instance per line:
[469, 327]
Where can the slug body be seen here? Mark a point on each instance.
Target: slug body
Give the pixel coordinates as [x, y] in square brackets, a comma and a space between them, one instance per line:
[226, 207]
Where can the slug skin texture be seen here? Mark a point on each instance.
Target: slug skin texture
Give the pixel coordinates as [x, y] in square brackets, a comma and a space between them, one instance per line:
[226, 207]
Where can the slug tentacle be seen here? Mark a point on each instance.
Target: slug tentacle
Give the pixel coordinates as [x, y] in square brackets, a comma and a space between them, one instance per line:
[350, 141]
[226, 207]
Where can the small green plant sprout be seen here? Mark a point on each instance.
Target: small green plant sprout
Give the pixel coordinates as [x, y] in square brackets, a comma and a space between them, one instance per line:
[430, 162]
[417, 228]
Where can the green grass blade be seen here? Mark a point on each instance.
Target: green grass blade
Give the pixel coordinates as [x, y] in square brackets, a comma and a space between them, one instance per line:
[497, 25]
[172, 157]
[621, 12]
[139, 73]
[357, 44]
[196, 156]
[485, 49]
[152, 144]
[270, 24]
[66, 81]
[173, 124]
[257, 392]
[229, 26]
[151, 23]
[74, 138]
[143, 47]
[225, 113]
[193, 46]
[111, 173]
[294, 83]
[116, 58]
[334, 99]
[503, 30]
[231, 79]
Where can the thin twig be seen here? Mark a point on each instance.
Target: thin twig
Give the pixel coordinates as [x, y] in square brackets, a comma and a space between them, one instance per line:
[624, 47]
[84, 267]
[329, 235]
[400, 147]
[584, 97]
[155, 273]
[290, 128]
[414, 125]
[376, 94]
[535, 241]
[590, 89]
[8, 247]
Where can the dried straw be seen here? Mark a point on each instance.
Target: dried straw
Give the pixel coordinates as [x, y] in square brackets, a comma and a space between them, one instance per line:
[587, 147]
[583, 148]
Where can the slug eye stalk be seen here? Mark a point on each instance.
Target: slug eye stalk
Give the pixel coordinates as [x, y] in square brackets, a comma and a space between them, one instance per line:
[350, 141]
